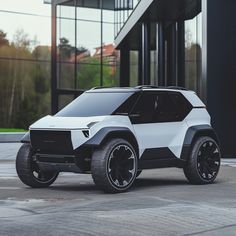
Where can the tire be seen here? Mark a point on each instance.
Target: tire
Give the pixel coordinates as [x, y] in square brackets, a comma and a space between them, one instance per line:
[28, 171]
[110, 172]
[204, 162]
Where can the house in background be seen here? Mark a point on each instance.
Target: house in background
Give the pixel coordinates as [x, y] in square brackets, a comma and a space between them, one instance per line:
[110, 56]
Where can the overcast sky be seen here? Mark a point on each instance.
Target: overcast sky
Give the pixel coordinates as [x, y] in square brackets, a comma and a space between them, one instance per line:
[41, 26]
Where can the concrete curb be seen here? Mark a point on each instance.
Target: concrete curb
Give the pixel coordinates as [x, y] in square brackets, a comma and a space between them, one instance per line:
[11, 137]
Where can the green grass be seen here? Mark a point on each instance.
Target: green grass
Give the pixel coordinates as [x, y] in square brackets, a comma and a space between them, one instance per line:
[12, 130]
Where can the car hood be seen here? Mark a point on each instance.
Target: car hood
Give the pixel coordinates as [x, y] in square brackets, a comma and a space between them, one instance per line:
[66, 123]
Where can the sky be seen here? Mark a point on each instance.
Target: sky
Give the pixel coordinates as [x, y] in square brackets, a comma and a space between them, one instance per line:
[33, 26]
[88, 34]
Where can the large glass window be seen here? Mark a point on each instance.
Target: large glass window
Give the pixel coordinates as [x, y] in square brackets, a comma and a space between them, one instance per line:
[134, 70]
[25, 62]
[86, 55]
[193, 53]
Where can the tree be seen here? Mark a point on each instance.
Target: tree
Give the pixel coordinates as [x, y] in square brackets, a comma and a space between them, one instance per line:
[89, 74]
[3, 39]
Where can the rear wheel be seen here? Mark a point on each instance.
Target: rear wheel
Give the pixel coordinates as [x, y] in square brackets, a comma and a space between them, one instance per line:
[204, 163]
[29, 172]
[114, 166]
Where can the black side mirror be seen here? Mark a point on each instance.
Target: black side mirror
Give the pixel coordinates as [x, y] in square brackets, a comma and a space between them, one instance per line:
[135, 118]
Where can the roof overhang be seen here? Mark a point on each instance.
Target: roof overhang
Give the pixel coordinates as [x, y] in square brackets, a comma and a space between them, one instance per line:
[106, 4]
[155, 11]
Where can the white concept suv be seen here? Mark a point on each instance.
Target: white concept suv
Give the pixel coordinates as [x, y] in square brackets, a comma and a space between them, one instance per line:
[115, 133]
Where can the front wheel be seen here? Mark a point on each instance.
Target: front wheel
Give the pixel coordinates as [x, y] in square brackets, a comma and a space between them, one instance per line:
[29, 172]
[204, 162]
[114, 166]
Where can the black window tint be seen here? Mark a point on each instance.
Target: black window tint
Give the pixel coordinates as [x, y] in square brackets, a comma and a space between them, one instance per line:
[94, 104]
[127, 106]
[144, 109]
[182, 104]
[165, 109]
[155, 108]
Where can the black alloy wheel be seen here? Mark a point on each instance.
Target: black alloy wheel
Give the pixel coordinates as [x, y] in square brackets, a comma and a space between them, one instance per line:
[208, 160]
[121, 166]
[114, 166]
[204, 162]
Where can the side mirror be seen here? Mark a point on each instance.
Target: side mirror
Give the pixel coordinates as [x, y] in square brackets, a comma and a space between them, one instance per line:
[135, 118]
[136, 115]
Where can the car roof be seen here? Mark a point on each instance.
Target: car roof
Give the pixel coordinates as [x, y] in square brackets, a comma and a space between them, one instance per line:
[136, 89]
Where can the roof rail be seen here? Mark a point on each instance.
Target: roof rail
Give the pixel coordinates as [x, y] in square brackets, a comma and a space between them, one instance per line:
[99, 87]
[146, 86]
[160, 87]
[177, 88]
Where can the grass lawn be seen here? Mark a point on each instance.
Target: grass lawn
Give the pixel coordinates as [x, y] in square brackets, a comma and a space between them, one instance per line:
[12, 130]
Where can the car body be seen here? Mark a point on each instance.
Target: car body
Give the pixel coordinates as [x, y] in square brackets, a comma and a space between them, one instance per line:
[146, 127]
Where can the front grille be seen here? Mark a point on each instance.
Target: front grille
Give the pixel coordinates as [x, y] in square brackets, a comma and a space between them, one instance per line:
[45, 141]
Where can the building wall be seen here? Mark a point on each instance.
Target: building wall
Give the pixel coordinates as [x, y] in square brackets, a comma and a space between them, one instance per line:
[221, 70]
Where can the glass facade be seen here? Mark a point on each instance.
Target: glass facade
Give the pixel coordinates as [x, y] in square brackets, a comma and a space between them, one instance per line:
[86, 56]
[123, 9]
[193, 53]
[25, 62]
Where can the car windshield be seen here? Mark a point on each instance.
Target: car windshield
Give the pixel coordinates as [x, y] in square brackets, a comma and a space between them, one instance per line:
[95, 104]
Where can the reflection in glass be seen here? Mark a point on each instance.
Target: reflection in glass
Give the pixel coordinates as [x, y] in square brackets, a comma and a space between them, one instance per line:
[193, 53]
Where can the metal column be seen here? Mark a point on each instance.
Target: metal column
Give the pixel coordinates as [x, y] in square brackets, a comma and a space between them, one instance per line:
[54, 94]
[180, 54]
[146, 53]
[171, 55]
[124, 66]
[160, 41]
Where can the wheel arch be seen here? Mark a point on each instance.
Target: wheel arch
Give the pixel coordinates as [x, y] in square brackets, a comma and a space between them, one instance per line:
[192, 134]
[107, 133]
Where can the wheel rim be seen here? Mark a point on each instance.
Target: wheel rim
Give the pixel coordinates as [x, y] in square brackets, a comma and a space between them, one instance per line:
[39, 175]
[122, 166]
[208, 160]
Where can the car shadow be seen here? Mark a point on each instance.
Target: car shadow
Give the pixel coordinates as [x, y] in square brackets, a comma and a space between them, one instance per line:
[140, 183]
[143, 182]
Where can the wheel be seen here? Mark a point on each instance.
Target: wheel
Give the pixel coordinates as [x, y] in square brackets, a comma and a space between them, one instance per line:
[114, 166]
[29, 172]
[204, 162]
[138, 173]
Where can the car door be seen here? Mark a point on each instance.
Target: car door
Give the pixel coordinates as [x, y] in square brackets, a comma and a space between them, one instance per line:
[158, 125]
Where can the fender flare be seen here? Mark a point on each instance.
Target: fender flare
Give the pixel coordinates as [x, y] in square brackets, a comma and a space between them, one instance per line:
[111, 132]
[193, 133]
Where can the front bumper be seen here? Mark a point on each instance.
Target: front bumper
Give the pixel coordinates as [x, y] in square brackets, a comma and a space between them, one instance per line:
[53, 151]
[58, 163]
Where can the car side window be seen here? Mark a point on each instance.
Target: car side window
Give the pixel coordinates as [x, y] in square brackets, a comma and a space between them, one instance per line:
[155, 107]
[144, 109]
[182, 104]
[165, 109]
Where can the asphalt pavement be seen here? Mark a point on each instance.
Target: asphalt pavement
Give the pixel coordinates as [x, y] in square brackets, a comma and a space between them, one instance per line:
[161, 202]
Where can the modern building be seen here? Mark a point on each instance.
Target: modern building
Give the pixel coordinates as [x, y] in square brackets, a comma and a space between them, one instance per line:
[189, 43]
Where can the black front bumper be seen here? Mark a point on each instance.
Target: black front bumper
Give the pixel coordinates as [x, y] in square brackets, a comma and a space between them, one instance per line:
[58, 163]
[53, 151]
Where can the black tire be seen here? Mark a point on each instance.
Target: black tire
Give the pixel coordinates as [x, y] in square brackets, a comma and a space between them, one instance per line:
[111, 173]
[27, 169]
[204, 162]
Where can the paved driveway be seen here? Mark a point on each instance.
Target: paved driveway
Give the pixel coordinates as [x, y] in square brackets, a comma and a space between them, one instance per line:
[160, 203]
